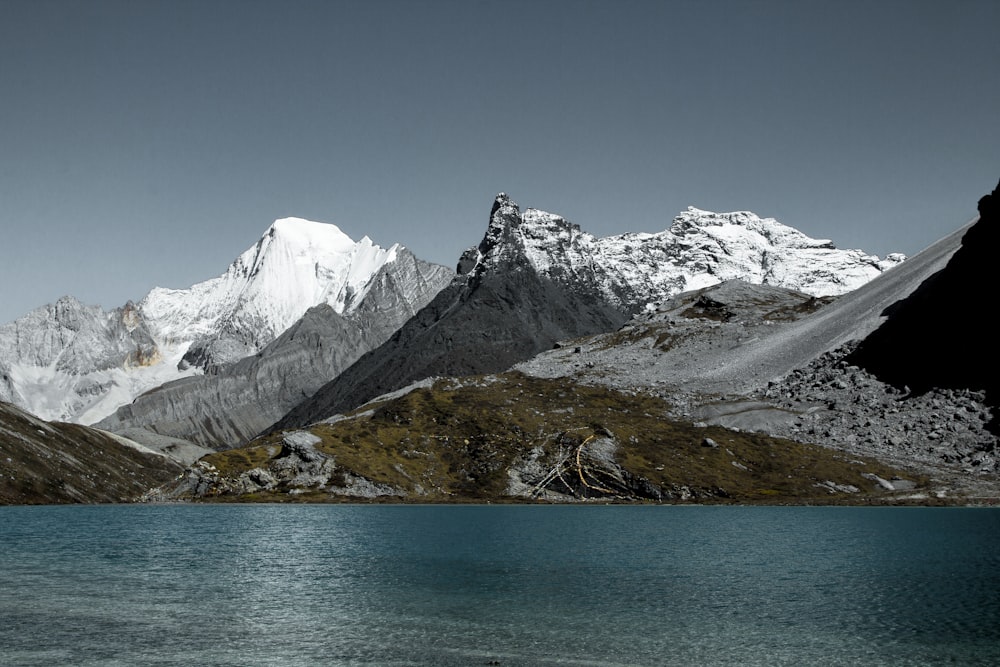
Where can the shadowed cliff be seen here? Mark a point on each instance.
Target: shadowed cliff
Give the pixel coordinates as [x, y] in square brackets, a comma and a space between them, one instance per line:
[942, 335]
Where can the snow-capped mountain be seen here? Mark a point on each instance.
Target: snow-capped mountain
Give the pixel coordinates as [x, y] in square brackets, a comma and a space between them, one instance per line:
[73, 362]
[229, 406]
[536, 278]
[295, 265]
[701, 248]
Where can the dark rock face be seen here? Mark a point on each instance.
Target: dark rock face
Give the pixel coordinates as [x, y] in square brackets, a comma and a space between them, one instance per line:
[483, 326]
[497, 312]
[942, 335]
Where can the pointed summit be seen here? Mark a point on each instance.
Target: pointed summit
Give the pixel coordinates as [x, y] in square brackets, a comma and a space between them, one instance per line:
[502, 201]
[302, 233]
[504, 217]
[516, 240]
[295, 265]
[68, 361]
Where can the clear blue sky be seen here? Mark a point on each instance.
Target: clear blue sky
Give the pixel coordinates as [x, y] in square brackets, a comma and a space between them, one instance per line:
[147, 143]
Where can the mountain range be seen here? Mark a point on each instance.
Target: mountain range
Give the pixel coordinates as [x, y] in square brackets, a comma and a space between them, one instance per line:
[72, 362]
[536, 278]
[724, 317]
[735, 392]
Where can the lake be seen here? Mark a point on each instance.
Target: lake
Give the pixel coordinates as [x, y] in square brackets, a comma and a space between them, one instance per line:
[498, 585]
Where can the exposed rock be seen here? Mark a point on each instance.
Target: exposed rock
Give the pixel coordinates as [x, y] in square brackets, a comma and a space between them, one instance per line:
[849, 408]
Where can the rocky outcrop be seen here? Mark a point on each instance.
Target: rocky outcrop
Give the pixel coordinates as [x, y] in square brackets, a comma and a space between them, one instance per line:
[298, 469]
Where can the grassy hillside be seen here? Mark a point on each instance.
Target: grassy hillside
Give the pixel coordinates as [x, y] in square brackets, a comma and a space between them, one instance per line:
[43, 463]
[516, 438]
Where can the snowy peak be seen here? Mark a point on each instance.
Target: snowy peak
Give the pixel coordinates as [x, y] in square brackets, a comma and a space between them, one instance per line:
[68, 361]
[695, 221]
[535, 238]
[701, 248]
[723, 246]
[293, 238]
[295, 265]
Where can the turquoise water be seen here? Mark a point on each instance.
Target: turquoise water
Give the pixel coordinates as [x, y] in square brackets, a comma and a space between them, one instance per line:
[510, 585]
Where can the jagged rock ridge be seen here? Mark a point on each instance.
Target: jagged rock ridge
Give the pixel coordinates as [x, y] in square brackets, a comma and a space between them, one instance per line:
[700, 248]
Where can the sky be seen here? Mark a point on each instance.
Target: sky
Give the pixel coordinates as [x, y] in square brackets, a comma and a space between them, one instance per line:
[148, 143]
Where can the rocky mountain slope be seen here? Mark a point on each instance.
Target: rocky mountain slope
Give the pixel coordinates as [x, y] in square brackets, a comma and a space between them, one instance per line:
[898, 369]
[536, 278]
[44, 462]
[232, 404]
[74, 362]
[944, 323]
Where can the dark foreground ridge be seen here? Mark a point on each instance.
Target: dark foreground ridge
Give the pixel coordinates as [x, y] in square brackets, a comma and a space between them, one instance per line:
[944, 334]
[44, 463]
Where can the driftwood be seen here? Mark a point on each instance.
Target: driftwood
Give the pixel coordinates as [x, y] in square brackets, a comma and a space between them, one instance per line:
[569, 460]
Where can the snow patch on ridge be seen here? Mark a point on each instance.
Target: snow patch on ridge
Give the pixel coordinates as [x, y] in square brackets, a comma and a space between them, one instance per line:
[701, 248]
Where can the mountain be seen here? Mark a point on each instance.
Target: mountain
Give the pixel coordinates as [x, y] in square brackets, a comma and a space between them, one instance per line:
[74, 362]
[898, 369]
[45, 462]
[295, 265]
[735, 392]
[700, 248]
[536, 278]
[229, 406]
[63, 359]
